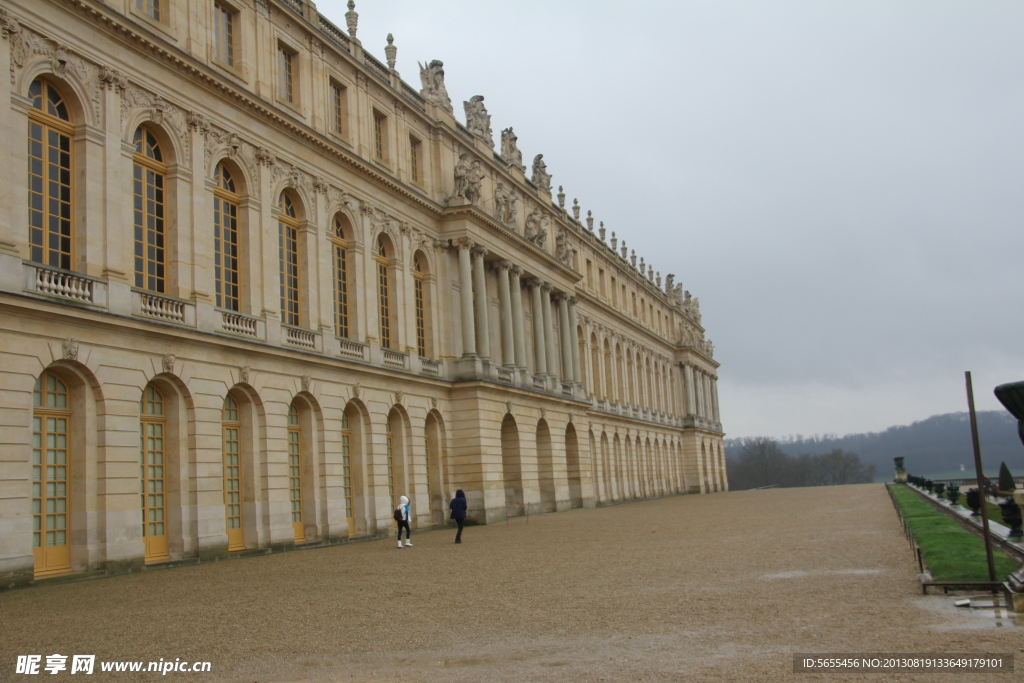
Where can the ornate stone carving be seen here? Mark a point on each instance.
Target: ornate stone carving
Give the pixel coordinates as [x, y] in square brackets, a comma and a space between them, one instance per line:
[262, 8]
[264, 157]
[677, 294]
[614, 240]
[352, 18]
[357, 391]
[469, 176]
[462, 167]
[623, 250]
[306, 381]
[657, 279]
[632, 257]
[541, 178]
[543, 413]
[508, 406]
[63, 61]
[244, 374]
[505, 204]
[576, 210]
[670, 283]
[320, 185]
[167, 362]
[510, 153]
[691, 307]
[478, 121]
[563, 252]
[399, 397]
[590, 220]
[112, 78]
[537, 227]
[391, 52]
[161, 112]
[561, 197]
[433, 402]
[432, 78]
[601, 232]
[69, 347]
[641, 266]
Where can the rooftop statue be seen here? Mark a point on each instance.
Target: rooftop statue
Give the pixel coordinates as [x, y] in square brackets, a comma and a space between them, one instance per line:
[510, 153]
[432, 77]
[478, 121]
[541, 178]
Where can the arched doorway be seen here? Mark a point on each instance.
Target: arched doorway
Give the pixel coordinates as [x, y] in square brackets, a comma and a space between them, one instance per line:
[512, 467]
[545, 467]
[572, 466]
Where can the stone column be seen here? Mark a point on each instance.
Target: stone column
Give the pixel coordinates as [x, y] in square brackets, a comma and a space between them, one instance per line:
[714, 400]
[518, 336]
[483, 338]
[466, 298]
[539, 344]
[691, 406]
[505, 304]
[574, 340]
[549, 330]
[561, 298]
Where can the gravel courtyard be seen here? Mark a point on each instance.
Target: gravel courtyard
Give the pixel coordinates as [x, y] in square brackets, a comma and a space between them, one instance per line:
[722, 587]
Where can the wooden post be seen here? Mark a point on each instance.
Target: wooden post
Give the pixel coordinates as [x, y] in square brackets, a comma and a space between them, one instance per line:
[981, 479]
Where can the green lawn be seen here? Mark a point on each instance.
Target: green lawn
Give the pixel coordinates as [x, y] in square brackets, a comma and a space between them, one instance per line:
[950, 552]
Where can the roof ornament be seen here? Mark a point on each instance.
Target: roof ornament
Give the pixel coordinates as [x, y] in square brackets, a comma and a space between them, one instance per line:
[601, 232]
[352, 18]
[590, 221]
[576, 209]
[561, 197]
[391, 51]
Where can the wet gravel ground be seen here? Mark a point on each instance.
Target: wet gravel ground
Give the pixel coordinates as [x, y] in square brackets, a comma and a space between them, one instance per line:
[722, 587]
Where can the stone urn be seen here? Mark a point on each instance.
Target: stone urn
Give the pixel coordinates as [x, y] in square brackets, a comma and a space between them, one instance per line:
[929, 486]
[953, 493]
[940, 488]
[1012, 518]
[973, 501]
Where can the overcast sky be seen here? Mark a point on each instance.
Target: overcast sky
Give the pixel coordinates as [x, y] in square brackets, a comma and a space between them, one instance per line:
[840, 183]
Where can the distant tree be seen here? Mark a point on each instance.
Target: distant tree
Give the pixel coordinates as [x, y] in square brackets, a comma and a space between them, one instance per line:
[761, 462]
[1005, 478]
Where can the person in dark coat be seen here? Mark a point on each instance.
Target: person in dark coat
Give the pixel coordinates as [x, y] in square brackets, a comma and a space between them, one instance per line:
[458, 508]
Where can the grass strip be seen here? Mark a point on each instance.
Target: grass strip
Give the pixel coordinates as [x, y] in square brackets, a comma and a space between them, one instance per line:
[950, 552]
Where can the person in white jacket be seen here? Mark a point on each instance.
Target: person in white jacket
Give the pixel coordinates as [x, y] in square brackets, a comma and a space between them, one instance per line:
[402, 517]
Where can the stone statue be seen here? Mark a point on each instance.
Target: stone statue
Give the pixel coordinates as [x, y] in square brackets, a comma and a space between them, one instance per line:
[474, 181]
[432, 78]
[537, 227]
[691, 306]
[563, 252]
[478, 121]
[513, 208]
[510, 153]
[669, 283]
[500, 202]
[461, 176]
[677, 294]
[541, 178]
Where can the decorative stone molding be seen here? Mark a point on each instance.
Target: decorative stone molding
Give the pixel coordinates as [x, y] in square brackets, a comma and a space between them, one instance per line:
[244, 373]
[64, 62]
[352, 18]
[112, 79]
[218, 141]
[69, 348]
[357, 391]
[161, 112]
[508, 406]
[306, 382]
[391, 52]
[537, 227]
[399, 398]
[167, 363]
[433, 402]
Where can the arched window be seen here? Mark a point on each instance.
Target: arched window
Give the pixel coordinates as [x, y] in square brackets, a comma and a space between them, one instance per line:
[231, 428]
[295, 473]
[340, 243]
[50, 208]
[288, 258]
[51, 476]
[152, 428]
[225, 239]
[149, 181]
[421, 315]
[383, 293]
[346, 471]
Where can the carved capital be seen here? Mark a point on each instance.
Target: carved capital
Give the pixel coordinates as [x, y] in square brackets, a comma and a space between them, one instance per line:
[464, 243]
[559, 297]
[504, 264]
[546, 287]
[112, 78]
[265, 157]
[516, 271]
[573, 300]
[480, 251]
[534, 282]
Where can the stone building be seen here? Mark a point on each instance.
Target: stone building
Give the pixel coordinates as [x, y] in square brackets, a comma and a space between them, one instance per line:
[252, 276]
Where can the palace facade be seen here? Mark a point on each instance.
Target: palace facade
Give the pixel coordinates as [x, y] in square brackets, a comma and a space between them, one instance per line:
[254, 287]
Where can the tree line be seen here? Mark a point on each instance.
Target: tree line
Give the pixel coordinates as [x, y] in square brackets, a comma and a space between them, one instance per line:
[761, 462]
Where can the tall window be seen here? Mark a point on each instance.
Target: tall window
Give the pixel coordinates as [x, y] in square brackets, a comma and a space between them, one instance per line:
[151, 8]
[415, 151]
[421, 316]
[340, 244]
[51, 478]
[150, 176]
[285, 74]
[225, 240]
[151, 473]
[346, 471]
[50, 227]
[223, 34]
[288, 258]
[391, 461]
[383, 294]
[379, 136]
[231, 428]
[295, 472]
[338, 108]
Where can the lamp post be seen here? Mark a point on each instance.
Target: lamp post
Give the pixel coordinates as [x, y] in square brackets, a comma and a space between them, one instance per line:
[1012, 397]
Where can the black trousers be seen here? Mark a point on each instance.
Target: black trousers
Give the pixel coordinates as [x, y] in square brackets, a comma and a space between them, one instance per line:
[458, 536]
[404, 524]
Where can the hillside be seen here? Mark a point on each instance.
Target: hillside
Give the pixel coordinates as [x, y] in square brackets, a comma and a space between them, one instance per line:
[933, 447]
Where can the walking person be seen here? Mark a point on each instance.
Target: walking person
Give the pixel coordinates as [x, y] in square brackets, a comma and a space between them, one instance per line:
[402, 517]
[458, 508]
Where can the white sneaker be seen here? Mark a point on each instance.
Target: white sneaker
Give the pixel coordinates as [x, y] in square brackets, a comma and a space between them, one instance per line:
[399, 544]
[408, 543]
